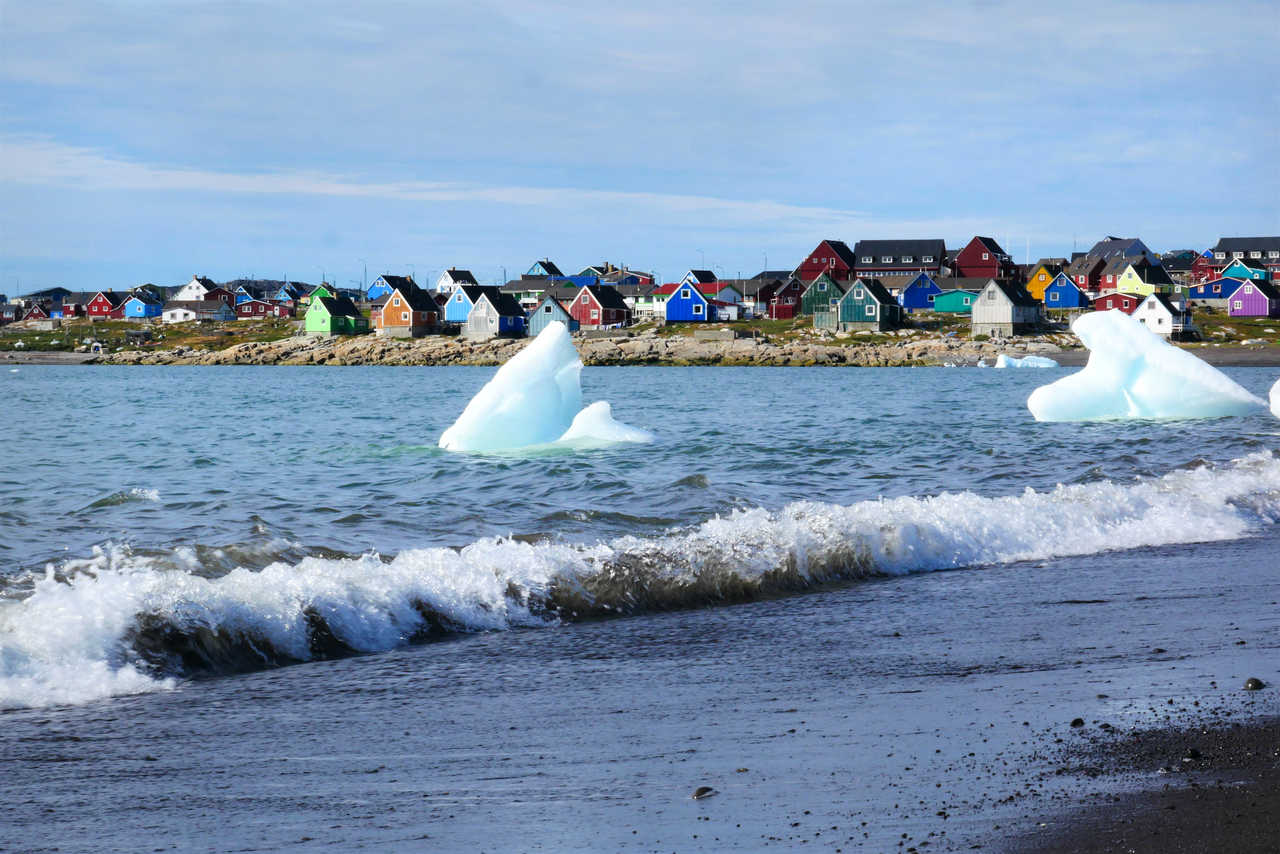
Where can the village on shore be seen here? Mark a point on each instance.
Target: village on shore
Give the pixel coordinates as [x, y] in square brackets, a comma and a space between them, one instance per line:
[878, 287]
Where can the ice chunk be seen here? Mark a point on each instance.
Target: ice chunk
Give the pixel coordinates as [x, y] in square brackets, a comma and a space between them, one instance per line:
[1275, 399]
[1134, 373]
[536, 399]
[1003, 361]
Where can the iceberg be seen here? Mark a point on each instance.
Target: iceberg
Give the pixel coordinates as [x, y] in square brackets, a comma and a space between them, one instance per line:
[536, 399]
[1134, 373]
[1003, 361]
[1275, 399]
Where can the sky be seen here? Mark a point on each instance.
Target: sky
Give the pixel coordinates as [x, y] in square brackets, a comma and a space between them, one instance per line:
[151, 141]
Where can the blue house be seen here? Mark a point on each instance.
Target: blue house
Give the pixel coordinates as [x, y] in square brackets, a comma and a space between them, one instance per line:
[545, 267]
[919, 293]
[142, 305]
[1238, 269]
[289, 292]
[1218, 289]
[546, 311]
[688, 303]
[1063, 292]
[464, 299]
[386, 283]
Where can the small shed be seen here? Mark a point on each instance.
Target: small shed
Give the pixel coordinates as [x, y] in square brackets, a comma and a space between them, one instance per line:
[954, 302]
[1254, 299]
[1119, 301]
[334, 316]
[546, 311]
[1004, 309]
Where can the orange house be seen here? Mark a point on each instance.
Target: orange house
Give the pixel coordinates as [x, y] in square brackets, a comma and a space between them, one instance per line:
[409, 312]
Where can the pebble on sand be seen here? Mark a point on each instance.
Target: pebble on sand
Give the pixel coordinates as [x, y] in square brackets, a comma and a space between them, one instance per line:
[703, 792]
[1253, 683]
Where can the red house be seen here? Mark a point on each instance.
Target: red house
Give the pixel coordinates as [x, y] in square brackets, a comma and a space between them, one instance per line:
[1086, 272]
[832, 257]
[106, 304]
[36, 311]
[784, 302]
[983, 257]
[260, 308]
[597, 306]
[220, 294]
[1117, 299]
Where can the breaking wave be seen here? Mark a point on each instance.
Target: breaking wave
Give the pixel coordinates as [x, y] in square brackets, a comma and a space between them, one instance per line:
[123, 622]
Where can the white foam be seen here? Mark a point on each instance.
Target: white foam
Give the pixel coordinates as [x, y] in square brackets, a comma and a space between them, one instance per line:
[1134, 373]
[67, 642]
[1275, 399]
[536, 399]
[1006, 361]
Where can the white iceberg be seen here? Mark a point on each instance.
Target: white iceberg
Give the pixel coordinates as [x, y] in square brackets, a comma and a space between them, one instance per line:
[1003, 361]
[1275, 399]
[536, 399]
[1134, 373]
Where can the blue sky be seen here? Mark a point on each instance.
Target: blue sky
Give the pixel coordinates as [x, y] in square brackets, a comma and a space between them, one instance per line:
[147, 141]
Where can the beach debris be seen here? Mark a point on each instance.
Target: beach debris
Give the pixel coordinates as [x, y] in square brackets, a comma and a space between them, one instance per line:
[1076, 723]
[536, 399]
[1134, 373]
[1253, 683]
[702, 792]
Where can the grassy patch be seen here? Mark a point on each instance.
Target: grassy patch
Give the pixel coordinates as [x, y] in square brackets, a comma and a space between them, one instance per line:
[112, 334]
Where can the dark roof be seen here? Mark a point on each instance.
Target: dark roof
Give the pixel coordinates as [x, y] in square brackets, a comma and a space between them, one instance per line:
[1245, 244]
[1111, 247]
[461, 276]
[842, 249]
[1267, 289]
[1116, 265]
[1177, 263]
[398, 281]
[963, 283]
[78, 297]
[899, 248]
[607, 296]
[989, 244]
[505, 304]
[474, 292]
[340, 306]
[770, 275]
[877, 289]
[196, 304]
[1016, 293]
[143, 296]
[419, 299]
[703, 276]
[550, 267]
[115, 297]
[635, 290]
[1164, 300]
[1083, 265]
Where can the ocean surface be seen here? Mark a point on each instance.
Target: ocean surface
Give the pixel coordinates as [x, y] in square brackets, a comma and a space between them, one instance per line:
[258, 607]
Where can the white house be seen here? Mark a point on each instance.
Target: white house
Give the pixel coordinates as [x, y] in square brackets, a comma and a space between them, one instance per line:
[1003, 309]
[194, 290]
[452, 279]
[1165, 316]
[180, 311]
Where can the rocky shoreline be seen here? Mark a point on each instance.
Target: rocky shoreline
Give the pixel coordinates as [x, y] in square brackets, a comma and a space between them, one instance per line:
[908, 348]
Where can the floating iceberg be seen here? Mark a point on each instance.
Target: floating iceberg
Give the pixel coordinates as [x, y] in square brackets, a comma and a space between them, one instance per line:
[1003, 361]
[1134, 373]
[536, 399]
[1275, 399]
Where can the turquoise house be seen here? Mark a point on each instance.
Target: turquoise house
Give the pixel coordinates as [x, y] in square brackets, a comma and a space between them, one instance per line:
[955, 302]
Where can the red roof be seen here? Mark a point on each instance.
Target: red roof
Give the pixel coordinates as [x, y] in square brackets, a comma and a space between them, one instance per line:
[664, 290]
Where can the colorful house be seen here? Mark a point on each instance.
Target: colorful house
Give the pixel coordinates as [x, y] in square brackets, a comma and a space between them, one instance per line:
[784, 301]
[919, 293]
[407, 312]
[1164, 316]
[1238, 269]
[106, 304]
[452, 279]
[143, 306]
[260, 308]
[955, 302]
[1255, 299]
[494, 315]
[194, 290]
[546, 311]
[1086, 272]
[180, 311]
[599, 307]
[822, 295]
[463, 298]
[832, 257]
[1128, 303]
[1063, 293]
[1257, 252]
[867, 305]
[887, 259]
[545, 267]
[1143, 278]
[982, 256]
[1042, 274]
[686, 302]
[334, 316]
[698, 277]
[37, 311]
[1004, 309]
[385, 284]
[1215, 291]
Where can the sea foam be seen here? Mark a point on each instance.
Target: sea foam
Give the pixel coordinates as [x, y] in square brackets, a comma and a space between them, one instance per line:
[1134, 373]
[536, 399]
[120, 623]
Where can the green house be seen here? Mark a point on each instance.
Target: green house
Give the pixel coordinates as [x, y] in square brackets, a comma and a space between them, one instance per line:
[954, 302]
[822, 294]
[867, 305]
[334, 316]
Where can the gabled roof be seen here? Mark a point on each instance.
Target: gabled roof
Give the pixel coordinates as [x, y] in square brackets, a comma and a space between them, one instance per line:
[340, 306]
[607, 296]
[1267, 289]
[78, 297]
[461, 277]
[899, 248]
[1117, 265]
[667, 289]
[875, 288]
[770, 275]
[1110, 247]
[1245, 244]
[115, 298]
[474, 292]
[989, 244]
[505, 304]
[144, 297]
[702, 276]
[549, 298]
[1062, 278]
[1152, 274]
[550, 267]
[843, 251]
[204, 280]
[633, 290]
[1164, 300]
[1016, 294]
[398, 281]
[1084, 265]
[963, 283]
[417, 298]
[1244, 262]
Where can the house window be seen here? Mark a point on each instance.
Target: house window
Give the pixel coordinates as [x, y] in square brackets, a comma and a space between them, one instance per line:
[458, 298]
[1239, 304]
[1053, 297]
[1221, 256]
[1255, 254]
[931, 296]
[991, 295]
[886, 259]
[907, 259]
[967, 300]
[1217, 289]
[1237, 254]
[585, 299]
[595, 314]
[867, 259]
[871, 311]
[928, 259]
[1248, 289]
[1273, 253]
[857, 293]
[822, 286]
[697, 309]
[986, 256]
[547, 309]
[396, 301]
[835, 301]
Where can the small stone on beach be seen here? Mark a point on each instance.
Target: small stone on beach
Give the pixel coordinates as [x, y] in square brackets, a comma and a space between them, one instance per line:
[1253, 683]
[703, 792]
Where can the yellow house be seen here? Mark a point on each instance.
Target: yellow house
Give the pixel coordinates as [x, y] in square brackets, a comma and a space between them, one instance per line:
[1144, 279]
[1042, 276]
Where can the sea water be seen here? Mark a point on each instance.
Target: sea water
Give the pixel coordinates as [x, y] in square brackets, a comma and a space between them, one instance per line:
[221, 567]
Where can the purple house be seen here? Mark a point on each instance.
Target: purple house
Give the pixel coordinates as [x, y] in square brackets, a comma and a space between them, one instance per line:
[1254, 299]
